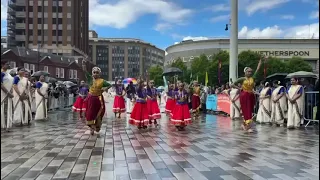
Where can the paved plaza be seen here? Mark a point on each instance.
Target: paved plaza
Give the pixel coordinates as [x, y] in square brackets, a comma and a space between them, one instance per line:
[212, 148]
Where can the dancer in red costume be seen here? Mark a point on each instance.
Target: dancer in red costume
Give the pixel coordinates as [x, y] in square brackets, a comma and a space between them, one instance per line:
[139, 115]
[171, 102]
[80, 105]
[181, 114]
[119, 104]
[247, 97]
[152, 103]
[195, 99]
[95, 103]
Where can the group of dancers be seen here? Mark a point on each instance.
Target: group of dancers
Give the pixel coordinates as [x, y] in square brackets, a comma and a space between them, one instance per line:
[145, 112]
[275, 104]
[20, 97]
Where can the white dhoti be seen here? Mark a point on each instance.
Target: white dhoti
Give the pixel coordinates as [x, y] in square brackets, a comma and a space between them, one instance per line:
[21, 108]
[41, 103]
[129, 105]
[295, 109]
[235, 107]
[264, 112]
[279, 107]
[6, 102]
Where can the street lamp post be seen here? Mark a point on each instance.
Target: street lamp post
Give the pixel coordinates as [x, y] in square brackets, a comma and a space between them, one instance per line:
[233, 66]
[39, 45]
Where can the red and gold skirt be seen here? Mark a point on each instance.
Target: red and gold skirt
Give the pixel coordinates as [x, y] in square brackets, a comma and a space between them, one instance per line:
[139, 115]
[95, 109]
[181, 115]
[170, 104]
[153, 109]
[119, 104]
[195, 100]
[80, 105]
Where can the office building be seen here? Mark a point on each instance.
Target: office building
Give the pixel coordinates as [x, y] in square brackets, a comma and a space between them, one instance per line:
[122, 58]
[50, 26]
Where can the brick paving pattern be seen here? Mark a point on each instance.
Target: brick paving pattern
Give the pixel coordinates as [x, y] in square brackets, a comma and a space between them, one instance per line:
[210, 149]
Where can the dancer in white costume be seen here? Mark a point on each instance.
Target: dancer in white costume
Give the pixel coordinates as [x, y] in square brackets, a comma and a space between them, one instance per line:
[106, 97]
[33, 96]
[264, 114]
[131, 92]
[20, 100]
[6, 98]
[235, 107]
[279, 104]
[41, 99]
[295, 96]
[29, 95]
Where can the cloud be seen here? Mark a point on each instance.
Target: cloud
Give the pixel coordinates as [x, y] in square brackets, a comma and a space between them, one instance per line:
[263, 5]
[219, 8]
[3, 10]
[124, 12]
[220, 18]
[196, 38]
[287, 17]
[296, 32]
[303, 31]
[314, 15]
[162, 27]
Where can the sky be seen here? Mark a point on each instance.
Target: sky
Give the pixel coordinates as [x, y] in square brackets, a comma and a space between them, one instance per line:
[166, 22]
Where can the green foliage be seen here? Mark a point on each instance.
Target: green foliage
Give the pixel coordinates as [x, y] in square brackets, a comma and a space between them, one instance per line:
[249, 59]
[297, 64]
[155, 73]
[213, 68]
[178, 63]
[202, 64]
[199, 67]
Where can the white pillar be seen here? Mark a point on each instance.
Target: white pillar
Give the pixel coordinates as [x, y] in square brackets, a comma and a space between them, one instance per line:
[233, 67]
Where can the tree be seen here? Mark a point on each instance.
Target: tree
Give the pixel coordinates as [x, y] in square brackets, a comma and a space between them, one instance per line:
[250, 59]
[274, 65]
[178, 63]
[297, 64]
[213, 68]
[155, 73]
[199, 67]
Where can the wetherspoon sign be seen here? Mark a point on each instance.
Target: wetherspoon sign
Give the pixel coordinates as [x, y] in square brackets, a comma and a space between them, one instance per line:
[285, 53]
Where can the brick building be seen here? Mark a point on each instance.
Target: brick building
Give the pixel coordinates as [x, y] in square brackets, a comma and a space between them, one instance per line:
[59, 67]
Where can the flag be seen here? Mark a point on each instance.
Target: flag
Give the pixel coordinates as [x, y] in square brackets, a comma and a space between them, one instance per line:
[207, 79]
[219, 71]
[265, 68]
[165, 82]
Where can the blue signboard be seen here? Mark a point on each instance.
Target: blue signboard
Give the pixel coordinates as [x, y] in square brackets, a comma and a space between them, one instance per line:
[211, 102]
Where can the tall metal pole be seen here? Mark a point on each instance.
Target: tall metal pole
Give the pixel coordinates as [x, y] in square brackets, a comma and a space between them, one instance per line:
[233, 66]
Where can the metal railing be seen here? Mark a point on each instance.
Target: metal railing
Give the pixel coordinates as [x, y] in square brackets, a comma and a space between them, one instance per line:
[311, 108]
[60, 103]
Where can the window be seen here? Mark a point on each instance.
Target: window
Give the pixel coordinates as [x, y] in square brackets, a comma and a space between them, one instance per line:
[26, 65]
[32, 68]
[45, 68]
[75, 74]
[62, 73]
[12, 64]
[70, 74]
[57, 72]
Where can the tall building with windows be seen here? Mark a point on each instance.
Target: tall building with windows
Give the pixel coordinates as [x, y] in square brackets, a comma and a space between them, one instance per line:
[121, 58]
[50, 26]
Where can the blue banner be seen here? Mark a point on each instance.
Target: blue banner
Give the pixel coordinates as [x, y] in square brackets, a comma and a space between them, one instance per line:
[212, 102]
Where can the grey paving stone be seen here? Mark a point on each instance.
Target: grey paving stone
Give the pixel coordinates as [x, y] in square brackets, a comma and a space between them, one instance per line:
[62, 148]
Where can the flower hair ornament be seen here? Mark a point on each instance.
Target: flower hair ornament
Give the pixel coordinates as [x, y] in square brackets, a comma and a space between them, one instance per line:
[246, 69]
[96, 69]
